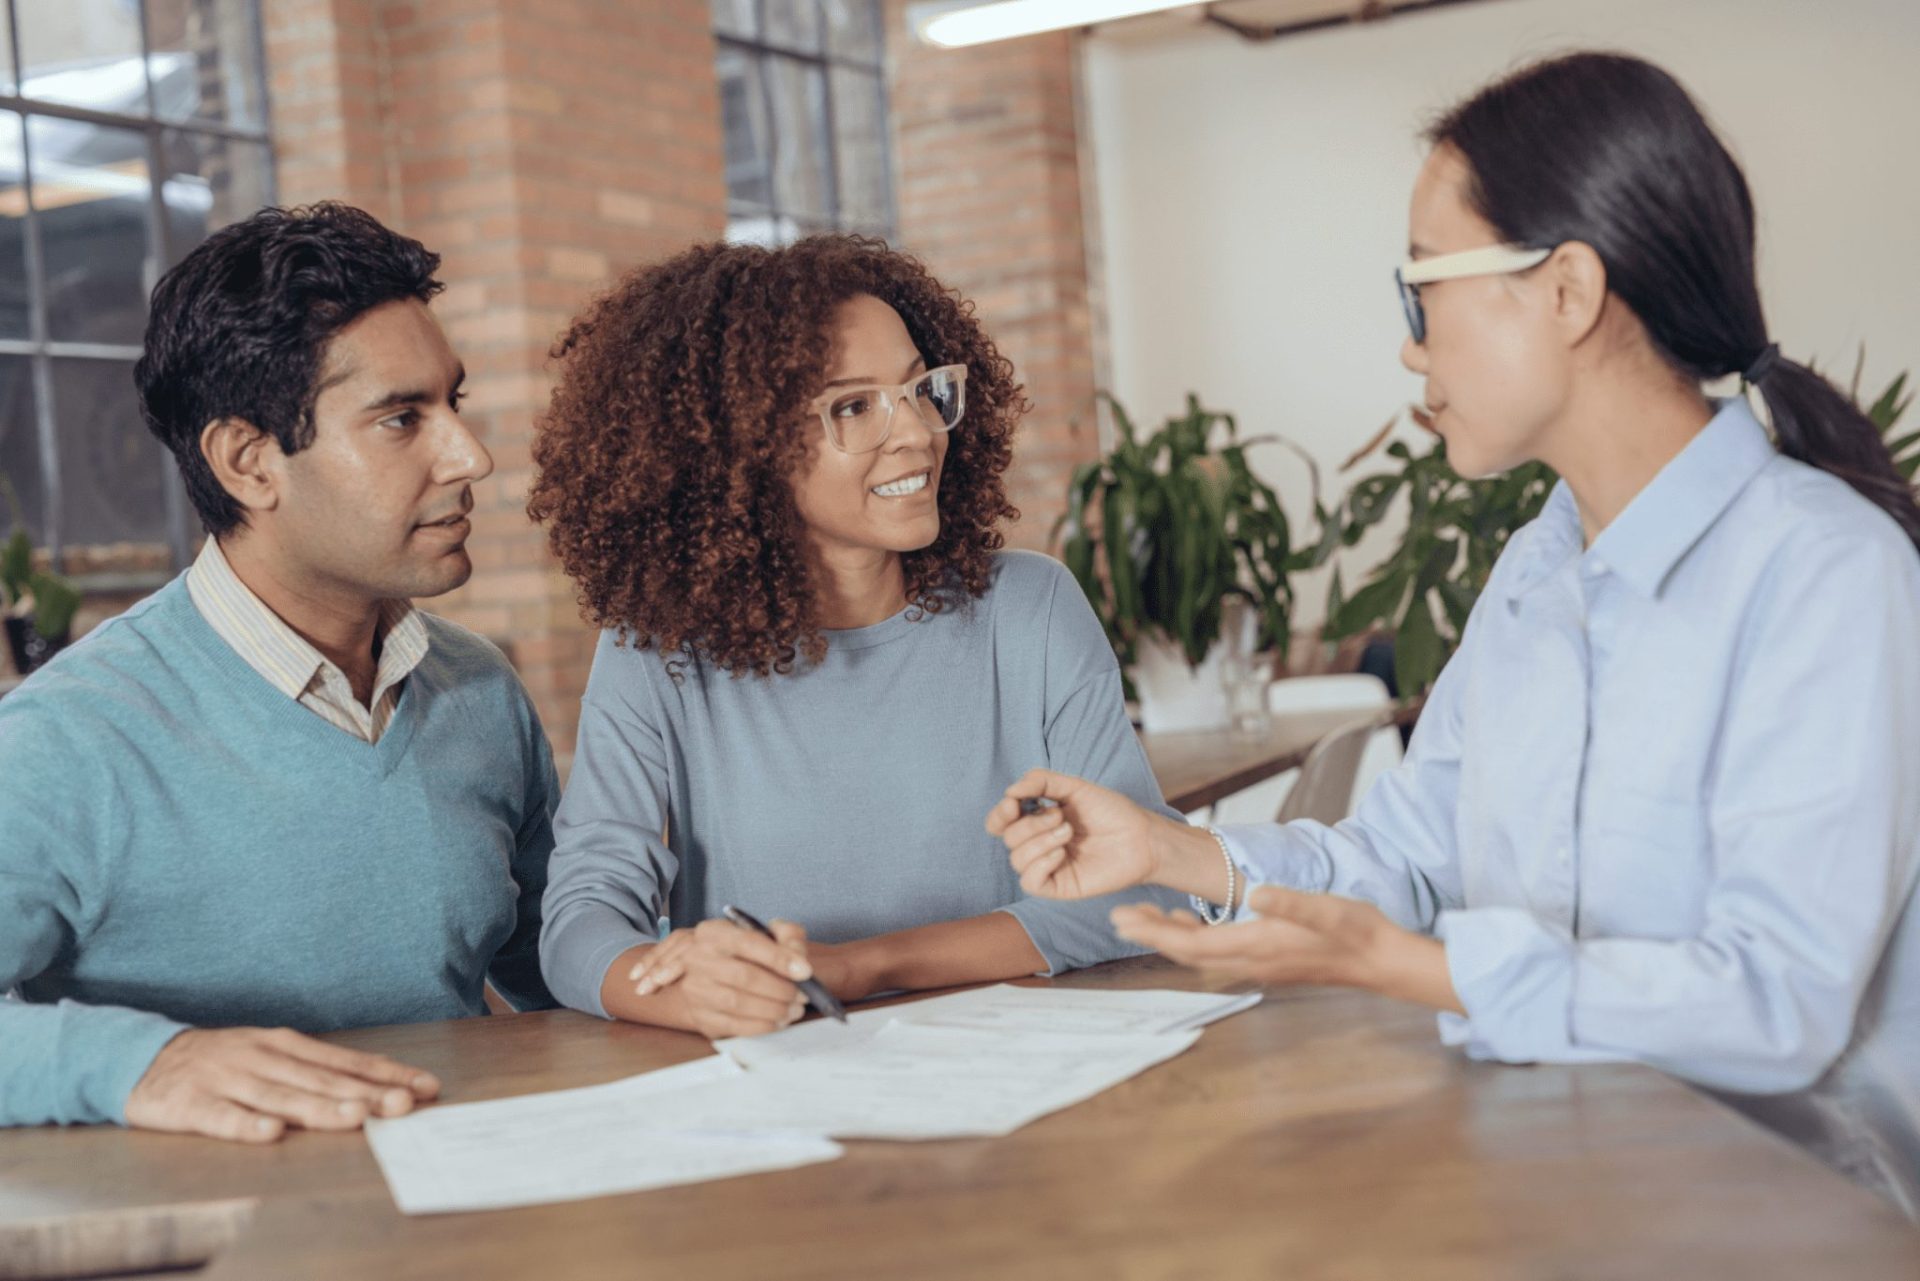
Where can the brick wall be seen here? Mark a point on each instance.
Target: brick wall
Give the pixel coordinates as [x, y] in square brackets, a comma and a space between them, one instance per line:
[544, 146]
[987, 159]
[541, 146]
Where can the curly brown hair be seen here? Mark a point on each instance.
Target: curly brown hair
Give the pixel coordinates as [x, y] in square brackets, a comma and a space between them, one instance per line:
[665, 459]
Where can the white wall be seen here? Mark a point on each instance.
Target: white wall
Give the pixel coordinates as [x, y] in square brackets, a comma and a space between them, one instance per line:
[1252, 198]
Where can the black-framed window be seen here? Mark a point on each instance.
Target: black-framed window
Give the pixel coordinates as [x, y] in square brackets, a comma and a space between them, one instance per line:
[803, 98]
[129, 130]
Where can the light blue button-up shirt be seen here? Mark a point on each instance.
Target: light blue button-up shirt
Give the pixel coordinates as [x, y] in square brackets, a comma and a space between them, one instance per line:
[1664, 803]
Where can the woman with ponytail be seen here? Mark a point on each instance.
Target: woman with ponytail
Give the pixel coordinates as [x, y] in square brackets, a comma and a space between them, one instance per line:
[1664, 803]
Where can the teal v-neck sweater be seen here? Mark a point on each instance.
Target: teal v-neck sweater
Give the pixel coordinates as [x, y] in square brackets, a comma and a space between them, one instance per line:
[183, 845]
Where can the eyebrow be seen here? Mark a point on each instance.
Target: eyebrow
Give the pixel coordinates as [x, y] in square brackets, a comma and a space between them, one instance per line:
[867, 380]
[417, 396]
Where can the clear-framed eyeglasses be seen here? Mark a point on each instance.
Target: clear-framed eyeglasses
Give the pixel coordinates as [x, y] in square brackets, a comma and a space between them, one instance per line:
[1488, 260]
[859, 419]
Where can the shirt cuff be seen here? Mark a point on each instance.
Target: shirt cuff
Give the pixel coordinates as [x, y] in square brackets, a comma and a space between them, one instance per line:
[105, 1084]
[1268, 854]
[575, 959]
[1053, 963]
[1514, 976]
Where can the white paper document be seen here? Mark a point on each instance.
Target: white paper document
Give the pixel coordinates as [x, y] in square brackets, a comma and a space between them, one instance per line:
[1003, 1008]
[973, 1064]
[570, 1144]
[1020, 1010]
[909, 1081]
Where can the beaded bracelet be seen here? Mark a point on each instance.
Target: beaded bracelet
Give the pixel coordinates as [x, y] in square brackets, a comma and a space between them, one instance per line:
[1206, 910]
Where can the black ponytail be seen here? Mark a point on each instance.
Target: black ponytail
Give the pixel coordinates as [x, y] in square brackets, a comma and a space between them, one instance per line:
[1610, 151]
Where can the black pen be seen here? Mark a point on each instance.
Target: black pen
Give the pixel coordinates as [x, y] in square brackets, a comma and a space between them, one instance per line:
[817, 995]
[1031, 805]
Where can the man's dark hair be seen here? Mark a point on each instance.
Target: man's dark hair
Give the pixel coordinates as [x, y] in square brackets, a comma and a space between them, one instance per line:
[239, 329]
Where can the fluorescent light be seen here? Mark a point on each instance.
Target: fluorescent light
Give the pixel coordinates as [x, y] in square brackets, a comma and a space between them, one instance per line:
[1009, 19]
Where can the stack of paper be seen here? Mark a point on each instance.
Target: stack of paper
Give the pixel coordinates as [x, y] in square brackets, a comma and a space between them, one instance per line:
[978, 1063]
[567, 1145]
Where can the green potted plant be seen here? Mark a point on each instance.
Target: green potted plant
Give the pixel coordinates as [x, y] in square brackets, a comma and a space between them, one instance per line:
[1424, 590]
[1178, 544]
[38, 606]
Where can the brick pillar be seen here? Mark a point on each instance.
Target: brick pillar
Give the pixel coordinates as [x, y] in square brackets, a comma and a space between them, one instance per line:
[543, 147]
[987, 159]
[323, 61]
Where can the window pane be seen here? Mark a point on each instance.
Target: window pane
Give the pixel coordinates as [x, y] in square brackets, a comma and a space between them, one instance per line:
[743, 115]
[853, 29]
[210, 182]
[860, 142]
[20, 449]
[91, 193]
[734, 18]
[83, 52]
[15, 320]
[205, 61]
[793, 24]
[762, 228]
[800, 150]
[113, 473]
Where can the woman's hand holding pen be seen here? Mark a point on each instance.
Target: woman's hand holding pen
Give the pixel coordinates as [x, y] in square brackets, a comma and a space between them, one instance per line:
[835, 965]
[1094, 841]
[733, 982]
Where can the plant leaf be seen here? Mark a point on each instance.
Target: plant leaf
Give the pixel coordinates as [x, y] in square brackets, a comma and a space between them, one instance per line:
[1417, 652]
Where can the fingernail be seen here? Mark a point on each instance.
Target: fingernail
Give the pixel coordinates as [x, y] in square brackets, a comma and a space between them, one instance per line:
[264, 1124]
[633, 975]
[645, 988]
[349, 1108]
[798, 969]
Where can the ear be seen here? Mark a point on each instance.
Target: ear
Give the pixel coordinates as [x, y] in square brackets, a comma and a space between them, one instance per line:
[245, 460]
[1578, 280]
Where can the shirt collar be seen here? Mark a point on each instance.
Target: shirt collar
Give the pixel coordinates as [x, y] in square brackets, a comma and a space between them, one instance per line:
[281, 655]
[1666, 518]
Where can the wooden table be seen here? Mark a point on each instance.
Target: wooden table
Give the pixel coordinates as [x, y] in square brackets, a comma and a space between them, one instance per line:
[1320, 1135]
[1199, 767]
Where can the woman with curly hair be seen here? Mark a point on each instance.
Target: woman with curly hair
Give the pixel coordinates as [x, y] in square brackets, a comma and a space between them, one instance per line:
[775, 477]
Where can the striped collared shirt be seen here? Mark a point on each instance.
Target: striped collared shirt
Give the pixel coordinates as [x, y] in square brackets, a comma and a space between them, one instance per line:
[293, 666]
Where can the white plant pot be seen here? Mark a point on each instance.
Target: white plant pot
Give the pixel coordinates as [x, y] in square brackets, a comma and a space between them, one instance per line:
[1176, 697]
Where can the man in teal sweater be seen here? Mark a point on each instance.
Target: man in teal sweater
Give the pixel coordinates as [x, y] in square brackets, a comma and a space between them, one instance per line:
[275, 796]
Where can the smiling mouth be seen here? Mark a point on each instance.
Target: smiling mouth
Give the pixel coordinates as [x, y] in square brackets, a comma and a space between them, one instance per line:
[904, 487]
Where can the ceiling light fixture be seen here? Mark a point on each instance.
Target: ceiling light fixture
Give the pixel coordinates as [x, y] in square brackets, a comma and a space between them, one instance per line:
[953, 27]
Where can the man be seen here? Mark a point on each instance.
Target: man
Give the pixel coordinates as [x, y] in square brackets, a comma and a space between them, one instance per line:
[274, 795]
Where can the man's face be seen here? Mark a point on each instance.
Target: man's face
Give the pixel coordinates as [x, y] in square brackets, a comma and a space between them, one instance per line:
[376, 507]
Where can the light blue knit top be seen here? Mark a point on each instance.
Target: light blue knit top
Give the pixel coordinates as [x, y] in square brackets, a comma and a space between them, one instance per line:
[849, 796]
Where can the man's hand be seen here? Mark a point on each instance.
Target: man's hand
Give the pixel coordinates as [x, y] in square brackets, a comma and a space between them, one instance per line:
[249, 1084]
